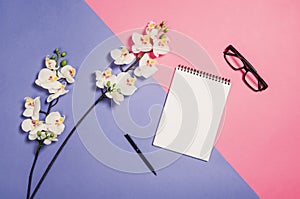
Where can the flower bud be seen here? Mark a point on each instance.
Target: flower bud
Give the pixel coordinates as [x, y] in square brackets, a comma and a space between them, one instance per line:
[56, 50]
[157, 27]
[163, 36]
[63, 63]
[63, 54]
[53, 57]
[166, 30]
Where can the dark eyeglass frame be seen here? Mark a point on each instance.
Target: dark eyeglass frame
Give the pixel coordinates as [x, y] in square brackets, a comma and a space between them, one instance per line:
[262, 85]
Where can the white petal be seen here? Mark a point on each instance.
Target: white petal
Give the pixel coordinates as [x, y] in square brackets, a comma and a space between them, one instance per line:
[47, 141]
[100, 83]
[128, 90]
[117, 97]
[50, 119]
[115, 54]
[56, 95]
[160, 50]
[119, 61]
[36, 109]
[108, 95]
[27, 125]
[152, 33]
[135, 49]
[123, 76]
[148, 71]
[57, 129]
[138, 72]
[32, 136]
[98, 75]
[143, 47]
[65, 71]
[136, 38]
[51, 85]
[28, 112]
[45, 73]
[50, 63]
[143, 60]
[129, 58]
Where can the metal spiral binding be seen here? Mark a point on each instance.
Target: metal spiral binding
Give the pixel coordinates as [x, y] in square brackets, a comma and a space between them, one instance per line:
[203, 74]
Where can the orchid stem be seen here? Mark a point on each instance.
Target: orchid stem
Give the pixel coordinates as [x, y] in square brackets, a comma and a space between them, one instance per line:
[32, 168]
[64, 143]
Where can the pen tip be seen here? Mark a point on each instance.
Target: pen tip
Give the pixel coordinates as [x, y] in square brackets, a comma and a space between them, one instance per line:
[154, 173]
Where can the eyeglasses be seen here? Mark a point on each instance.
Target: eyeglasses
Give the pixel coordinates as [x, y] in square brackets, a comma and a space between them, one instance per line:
[250, 76]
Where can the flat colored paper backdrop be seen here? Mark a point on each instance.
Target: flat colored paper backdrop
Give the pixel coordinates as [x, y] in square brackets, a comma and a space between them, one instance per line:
[259, 139]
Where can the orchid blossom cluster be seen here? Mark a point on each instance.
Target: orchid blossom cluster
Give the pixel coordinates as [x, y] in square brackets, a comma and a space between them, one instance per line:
[146, 47]
[54, 77]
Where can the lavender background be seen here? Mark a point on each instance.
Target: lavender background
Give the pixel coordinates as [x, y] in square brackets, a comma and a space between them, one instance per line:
[30, 30]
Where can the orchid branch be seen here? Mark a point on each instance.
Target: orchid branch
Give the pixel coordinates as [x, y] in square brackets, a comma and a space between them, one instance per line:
[63, 145]
[33, 167]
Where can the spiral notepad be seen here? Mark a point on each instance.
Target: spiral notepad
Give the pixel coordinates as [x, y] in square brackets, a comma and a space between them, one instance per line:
[192, 113]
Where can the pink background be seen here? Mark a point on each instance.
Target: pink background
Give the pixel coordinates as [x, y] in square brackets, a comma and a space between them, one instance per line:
[260, 138]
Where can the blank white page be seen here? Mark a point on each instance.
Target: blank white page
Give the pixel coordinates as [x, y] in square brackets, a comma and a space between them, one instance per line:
[192, 112]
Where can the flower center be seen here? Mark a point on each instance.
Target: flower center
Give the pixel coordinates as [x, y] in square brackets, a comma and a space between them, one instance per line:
[53, 78]
[145, 39]
[162, 42]
[150, 62]
[72, 72]
[29, 102]
[124, 52]
[130, 81]
[151, 25]
[106, 74]
[34, 122]
[59, 121]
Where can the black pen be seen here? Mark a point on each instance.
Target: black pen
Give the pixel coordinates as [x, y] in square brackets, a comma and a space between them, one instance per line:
[139, 152]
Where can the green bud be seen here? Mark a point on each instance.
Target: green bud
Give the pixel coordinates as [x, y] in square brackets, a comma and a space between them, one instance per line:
[166, 30]
[56, 50]
[63, 54]
[163, 36]
[157, 27]
[52, 135]
[114, 85]
[108, 84]
[118, 90]
[53, 57]
[63, 63]
[39, 133]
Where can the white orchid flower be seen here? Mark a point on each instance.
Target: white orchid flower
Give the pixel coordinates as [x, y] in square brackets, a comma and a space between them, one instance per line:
[146, 67]
[68, 72]
[122, 56]
[57, 92]
[151, 29]
[142, 43]
[33, 127]
[48, 79]
[54, 123]
[160, 46]
[116, 96]
[49, 137]
[50, 63]
[103, 77]
[32, 107]
[124, 85]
